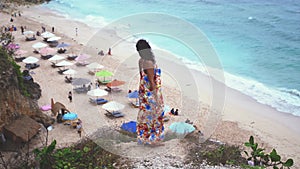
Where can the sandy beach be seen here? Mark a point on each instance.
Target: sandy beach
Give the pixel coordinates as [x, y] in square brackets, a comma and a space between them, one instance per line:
[236, 117]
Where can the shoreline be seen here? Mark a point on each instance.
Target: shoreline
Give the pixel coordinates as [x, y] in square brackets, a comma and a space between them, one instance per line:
[238, 107]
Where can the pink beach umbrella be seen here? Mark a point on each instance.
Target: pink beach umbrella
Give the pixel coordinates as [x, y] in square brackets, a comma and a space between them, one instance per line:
[82, 57]
[12, 46]
[47, 50]
[20, 52]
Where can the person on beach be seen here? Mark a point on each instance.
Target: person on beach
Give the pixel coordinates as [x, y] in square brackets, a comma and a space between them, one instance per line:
[43, 29]
[76, 31]
[52, 28]
[109, 51]
[22, 30]
[101, 53]
[150, 129]
[70, 96]
[79, 127]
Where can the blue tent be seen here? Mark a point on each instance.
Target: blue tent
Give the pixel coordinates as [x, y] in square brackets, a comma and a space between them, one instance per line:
[129, 126]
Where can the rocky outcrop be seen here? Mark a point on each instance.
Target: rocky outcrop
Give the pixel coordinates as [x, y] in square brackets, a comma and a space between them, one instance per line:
[18, 96]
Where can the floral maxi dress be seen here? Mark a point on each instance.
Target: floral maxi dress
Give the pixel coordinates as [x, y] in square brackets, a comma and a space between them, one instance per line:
[150, 128]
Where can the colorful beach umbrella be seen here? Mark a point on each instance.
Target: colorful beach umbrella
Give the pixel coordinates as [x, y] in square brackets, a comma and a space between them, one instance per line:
[113, 106]
[70, 72]
[64, 63]
[12, 46]
[133, 95]
[54, 38]
[47, 35]
[129, 126]
[104, 73]
[63, 45]
[28, 33]
[97, 92]
[80, 81]
[181, 128]
[115, 83]
[47, 50]
[82, 57]
[39, 45]
[20, 52]
[56, 58]
[30, 59]
[94, 66]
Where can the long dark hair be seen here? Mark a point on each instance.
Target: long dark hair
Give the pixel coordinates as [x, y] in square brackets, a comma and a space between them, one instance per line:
[145, 51]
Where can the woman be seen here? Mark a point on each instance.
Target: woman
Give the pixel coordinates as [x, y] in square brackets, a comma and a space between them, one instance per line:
[150, 129]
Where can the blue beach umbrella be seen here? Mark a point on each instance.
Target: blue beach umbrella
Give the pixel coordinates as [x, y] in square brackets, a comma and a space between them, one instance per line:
[70, 116]
[181, 128]
[133, 95]
[129, 126]
[62, 45]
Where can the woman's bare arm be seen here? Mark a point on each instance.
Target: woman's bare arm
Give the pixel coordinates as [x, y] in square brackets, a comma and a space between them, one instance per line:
[148, 67]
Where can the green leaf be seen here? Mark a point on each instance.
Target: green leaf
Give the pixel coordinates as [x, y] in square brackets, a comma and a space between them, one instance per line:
[251, 140]
[51, 147]
[274, 156]
[254, 146]
[247, 144]
[275, 167]
[86, 149]
[288, 163]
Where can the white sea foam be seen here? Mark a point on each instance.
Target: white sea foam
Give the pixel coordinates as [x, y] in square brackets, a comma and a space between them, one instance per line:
[283, 99]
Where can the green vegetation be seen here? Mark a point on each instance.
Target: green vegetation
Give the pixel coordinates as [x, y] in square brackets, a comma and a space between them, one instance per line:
[83, 155]
[261, 158]
[214, 153]
[8, 38]
[16, 69]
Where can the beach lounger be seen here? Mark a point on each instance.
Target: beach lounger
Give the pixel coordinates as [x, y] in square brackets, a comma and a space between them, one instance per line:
[71, 57]
[98, 101]
[53, 44]
[114, 114]
[135, 104]
[32, 65]
[30, 39]
[19, 59]
[68, 79]
[60, 51]
[28, 77]
[91, 72]
[45, 57]
[36, 51]
[115, 89]
[60, 71]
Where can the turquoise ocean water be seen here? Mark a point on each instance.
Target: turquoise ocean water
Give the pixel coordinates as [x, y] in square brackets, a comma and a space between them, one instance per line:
[258, 43]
